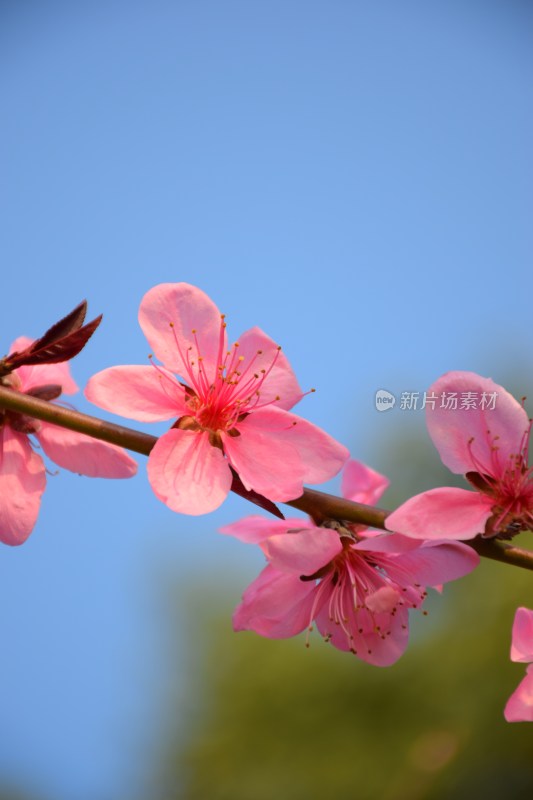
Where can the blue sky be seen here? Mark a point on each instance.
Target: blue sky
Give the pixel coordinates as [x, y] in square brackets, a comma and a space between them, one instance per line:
[355, 178]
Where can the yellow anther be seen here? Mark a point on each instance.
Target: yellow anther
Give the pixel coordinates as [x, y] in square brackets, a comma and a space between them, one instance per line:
[241, 358]
[171, 324]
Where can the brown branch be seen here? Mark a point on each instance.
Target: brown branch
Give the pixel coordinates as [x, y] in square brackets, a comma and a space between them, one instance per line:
[76, 421]
[317, 504]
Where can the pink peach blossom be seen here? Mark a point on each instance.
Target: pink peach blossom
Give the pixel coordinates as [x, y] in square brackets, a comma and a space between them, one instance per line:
[22, 470]
[357, 587]
[489, 445]
[231, 407]
[519, 707]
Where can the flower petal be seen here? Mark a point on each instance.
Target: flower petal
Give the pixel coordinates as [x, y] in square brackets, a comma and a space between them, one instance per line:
[385, 599]
[169, 315]
[254, 529]
[145, 393]
[519, 707]
[265, 461]
[433, 563]
[443, 513]
[322, 456]
[452, 430]
[260, 352]
[277, 451]
[187, 473]
[275, 605]
[390, 543]
[22, 482]
[303, 552]
[522, 646]
[378, 638]
[361, 484]
[83, 454]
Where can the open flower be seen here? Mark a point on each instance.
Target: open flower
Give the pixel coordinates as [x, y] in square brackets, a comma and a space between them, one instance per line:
[357, 587]
[22, 470]
[231, 407]
[488, 443]
[519, 707]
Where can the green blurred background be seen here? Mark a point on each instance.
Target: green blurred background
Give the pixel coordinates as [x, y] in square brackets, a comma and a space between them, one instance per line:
[259, 719]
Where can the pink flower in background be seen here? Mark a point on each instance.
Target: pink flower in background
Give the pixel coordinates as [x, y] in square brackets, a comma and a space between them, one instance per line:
[232, 410]
[22, 470]
[487, 445]
[356, 586]
[519, 707]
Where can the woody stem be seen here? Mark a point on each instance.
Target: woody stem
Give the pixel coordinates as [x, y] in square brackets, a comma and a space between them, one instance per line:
[317, 504]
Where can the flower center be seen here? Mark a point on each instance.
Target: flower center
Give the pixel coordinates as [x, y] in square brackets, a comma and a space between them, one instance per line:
[510, 485]
[220, 396]
[362, 597]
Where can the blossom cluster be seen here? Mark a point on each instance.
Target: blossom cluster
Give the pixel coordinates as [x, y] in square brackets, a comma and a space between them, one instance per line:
[232, 427]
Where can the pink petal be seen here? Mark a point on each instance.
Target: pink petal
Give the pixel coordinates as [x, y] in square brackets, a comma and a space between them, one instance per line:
[280, 382]
[254, 529]
[522, 646]
[452, 430]
[145, 393]
[168, 315]
[390, 543]
[85, 455]
[433, 564]
[275, 605]
[443, 513]
[365, 640]
[362, 484]
[277, 451]
[322, 456]
[302, 553]
[265, 461]
[384, 599]
[187, 473]
[22, 482]
[519, 707]
[20, 343]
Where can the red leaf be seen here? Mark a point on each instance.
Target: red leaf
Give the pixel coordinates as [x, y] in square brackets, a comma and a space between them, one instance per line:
[72, 322]
[61, 342]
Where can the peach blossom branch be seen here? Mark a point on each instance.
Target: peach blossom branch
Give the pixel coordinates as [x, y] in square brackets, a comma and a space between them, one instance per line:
[318, 504]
